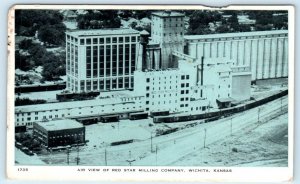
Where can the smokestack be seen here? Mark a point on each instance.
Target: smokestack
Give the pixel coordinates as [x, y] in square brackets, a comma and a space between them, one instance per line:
[144, 40]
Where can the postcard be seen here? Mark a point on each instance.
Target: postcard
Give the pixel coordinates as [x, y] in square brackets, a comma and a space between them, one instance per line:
[150, 93]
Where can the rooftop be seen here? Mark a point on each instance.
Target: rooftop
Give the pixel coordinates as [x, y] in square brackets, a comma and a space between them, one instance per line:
[168, 14]
[105, 99]
[60, 124]
[97, 32]
[226, 35]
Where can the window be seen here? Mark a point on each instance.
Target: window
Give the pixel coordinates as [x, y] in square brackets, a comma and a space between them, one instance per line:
[187, 84]
[187, 76]
[101, 40]
[182, 77]
[187, 91]
[28, 113]
[133, 39]
[148, 79]
[28, 119]
[147, 88]
[36, 113]
[182, 92]
[228, 86]
[147, 102]
[36, 118]
[147, 95]
[81, 41]
[95, 40]
[88, 41]
[181, 99]
[182, 85]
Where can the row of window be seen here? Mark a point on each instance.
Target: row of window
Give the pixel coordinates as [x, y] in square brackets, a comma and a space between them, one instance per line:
[168, 19]
[28, 113]
[108, 84]
[203, 108]
[160, 88]
[184, 105]
[160, 78]
[161, 102]
[170, 25]
[104, 40]
[158, 96]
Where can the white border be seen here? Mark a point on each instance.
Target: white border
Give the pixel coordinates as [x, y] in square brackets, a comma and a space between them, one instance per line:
[256, 174]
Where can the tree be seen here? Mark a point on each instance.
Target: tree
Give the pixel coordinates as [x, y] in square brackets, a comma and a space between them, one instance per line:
[29, 21]
[37, 52]
[52, 34]
[199, 21]
[25, 44]
[22, 62]
[54, 67]
[99, 19]
[223, 29]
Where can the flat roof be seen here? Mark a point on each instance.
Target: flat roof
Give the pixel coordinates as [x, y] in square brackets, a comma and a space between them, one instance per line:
[222, 100]
[241, 34]
[98, 32]
[168, 14]
[104, 99]
[60, 124]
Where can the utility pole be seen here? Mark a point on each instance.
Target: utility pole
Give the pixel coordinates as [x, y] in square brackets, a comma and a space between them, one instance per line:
[204, 136]
[130, 160]
[156, 155]
[105, 157]
[258, 115]
[231, 126]
[77, 158]
[68, 155]
[151, 142]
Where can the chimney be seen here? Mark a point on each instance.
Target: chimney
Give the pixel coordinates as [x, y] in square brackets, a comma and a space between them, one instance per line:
[144, 40]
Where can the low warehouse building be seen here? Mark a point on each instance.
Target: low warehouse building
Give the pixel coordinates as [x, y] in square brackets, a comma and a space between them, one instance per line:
[59, 132]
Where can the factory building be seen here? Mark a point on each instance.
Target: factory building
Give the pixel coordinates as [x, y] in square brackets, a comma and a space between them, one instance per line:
[265, 52]
[216, 70]
[117, 102]
[59, 133]
[101, 60]
[167, 29]
[164, 90]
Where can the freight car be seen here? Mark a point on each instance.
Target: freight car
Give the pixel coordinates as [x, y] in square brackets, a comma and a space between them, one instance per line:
[211, 116]
[88, 120]
[138, 115]
[159, 113]
[64, 97]
[109, 118]
[121, 142]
